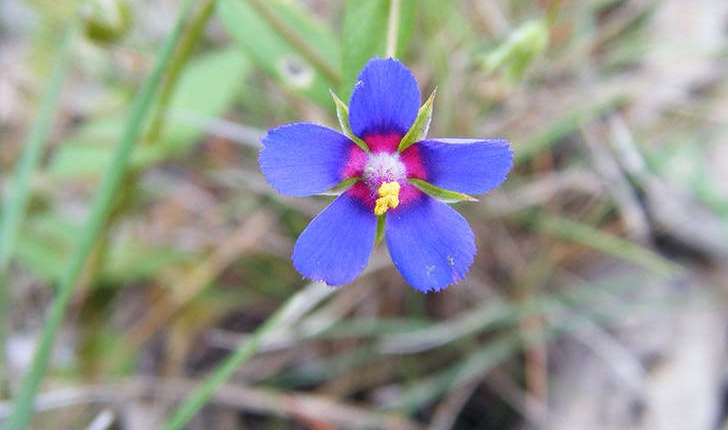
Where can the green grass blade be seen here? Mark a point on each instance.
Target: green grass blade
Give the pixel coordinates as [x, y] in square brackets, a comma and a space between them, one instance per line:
[187, 45]
[23, 403]
[15, 204]
[13, 209]
[609, 244]
[297, 305]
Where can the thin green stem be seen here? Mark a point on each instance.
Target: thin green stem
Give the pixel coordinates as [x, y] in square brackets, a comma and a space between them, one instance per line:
[393, 28]
[292, 37]
[15, 205]
[295, 307]
[186, 46]
[23, 403]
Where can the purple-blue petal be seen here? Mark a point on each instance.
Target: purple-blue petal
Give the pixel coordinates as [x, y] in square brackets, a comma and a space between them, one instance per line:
[336, 245]
[471, 166]
[385, 100]
[431, 244]
[303, 159]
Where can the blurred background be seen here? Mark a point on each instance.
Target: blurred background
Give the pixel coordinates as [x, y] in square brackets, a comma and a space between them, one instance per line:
[597, 298]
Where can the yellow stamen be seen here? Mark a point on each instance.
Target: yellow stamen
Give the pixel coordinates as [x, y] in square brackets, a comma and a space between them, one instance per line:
[388, 197]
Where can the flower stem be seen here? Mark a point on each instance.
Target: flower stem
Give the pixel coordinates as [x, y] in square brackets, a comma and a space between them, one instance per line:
[393, 28]
[24, 402]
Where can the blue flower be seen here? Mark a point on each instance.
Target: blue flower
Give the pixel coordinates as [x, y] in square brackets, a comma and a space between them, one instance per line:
[388, 182]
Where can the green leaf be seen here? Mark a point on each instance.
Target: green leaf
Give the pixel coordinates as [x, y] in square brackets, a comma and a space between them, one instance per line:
[45, 243]
[284, 40]
[446, 196]
[342, 112]
[364, 35]
[206, 88]
[421, 126]
[46, 240]
[130, 260]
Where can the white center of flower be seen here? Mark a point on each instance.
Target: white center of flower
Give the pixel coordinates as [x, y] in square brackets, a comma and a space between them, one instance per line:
[383, 167]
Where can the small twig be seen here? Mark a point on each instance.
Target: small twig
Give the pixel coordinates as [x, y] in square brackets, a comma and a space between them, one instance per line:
[448, 410]
[103, 421]
[238, 133]
[294, 308]
[245, 238]
[528, 289]
[286, 404]
[310, 327]
[670, 212]
[541, 190]
[615, 355]
[615, 181]
[532, 409]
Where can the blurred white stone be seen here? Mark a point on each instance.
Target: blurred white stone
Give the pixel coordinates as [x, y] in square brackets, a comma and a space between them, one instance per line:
[19, 350]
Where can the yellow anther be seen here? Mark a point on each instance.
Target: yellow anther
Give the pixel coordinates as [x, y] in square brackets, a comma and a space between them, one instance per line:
[388, 197]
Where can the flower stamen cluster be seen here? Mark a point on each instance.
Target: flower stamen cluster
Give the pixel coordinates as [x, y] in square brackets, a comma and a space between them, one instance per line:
[388, 197]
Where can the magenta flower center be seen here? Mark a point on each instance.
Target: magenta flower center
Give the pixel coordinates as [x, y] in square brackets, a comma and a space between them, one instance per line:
[383, 167]
[384, 173]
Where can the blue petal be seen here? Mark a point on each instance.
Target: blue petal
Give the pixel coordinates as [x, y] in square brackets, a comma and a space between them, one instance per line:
[431, 244]
[336, 245]
[471, 166]
[385, 100]
[303, 159]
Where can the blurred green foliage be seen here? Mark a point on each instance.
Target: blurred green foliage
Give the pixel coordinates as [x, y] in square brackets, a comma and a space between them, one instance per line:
[194, 255]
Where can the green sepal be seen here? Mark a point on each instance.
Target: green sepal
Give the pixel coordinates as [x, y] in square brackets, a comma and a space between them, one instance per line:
[342, 112]
[380, 230]
[444, 195]
[340, 187]
[421, 126]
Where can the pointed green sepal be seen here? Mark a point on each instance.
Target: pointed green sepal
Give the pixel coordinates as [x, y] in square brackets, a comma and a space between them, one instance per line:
[342, 112]
[444, 195]
[340, 187]
[421, 126]
[380, 230]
